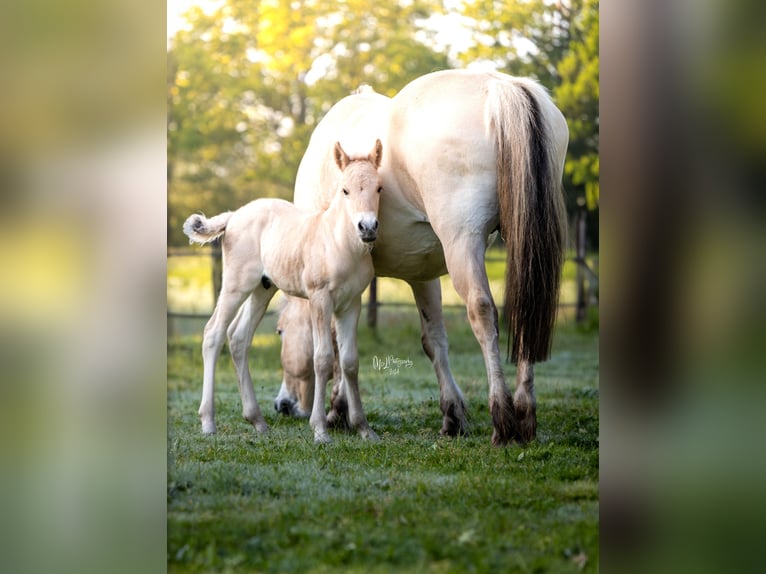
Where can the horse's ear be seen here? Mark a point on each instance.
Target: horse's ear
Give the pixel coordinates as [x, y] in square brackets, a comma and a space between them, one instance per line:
[376, 156]
[341, 159]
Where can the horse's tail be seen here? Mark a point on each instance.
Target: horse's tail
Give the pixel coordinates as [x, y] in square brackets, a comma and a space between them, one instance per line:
[203, 230]
[532, 215]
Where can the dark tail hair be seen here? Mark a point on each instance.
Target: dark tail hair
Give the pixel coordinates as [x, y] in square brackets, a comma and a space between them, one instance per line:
[532, 218]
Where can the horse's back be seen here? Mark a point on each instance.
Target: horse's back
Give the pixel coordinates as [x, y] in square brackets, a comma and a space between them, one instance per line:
[444, 147]
[444, 157]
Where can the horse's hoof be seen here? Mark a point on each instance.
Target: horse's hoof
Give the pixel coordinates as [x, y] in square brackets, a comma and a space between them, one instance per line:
[454, 422]
[261, 428]
[503, 422]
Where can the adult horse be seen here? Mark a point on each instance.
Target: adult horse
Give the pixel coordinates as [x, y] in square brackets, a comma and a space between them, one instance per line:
[320, 255]
[466, 153]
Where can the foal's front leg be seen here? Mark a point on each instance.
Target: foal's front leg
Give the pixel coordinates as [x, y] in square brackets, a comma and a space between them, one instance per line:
[346, 325]
[321, 327]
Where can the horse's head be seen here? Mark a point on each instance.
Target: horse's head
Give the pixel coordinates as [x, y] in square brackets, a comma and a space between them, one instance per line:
[360, 186]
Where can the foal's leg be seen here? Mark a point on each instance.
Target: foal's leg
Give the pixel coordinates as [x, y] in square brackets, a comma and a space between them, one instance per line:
[346, 325]
[321, 327]
[240, 335]
[428, 297]
[465, 263]
[213, 339]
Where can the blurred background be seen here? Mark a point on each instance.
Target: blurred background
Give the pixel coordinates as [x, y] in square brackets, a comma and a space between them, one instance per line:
[248, 81]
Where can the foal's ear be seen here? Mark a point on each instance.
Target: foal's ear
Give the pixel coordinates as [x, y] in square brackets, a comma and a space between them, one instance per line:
[341, 159]
[376, 155]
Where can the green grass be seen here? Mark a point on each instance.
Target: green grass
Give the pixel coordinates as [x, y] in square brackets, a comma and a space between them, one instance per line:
[415, 502]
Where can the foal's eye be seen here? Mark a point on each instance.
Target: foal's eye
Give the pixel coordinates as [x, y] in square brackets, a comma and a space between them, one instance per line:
[380, 189]
[345, 191]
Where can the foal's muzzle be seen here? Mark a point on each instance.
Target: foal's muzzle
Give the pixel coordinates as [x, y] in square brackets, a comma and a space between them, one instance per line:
[367, 227]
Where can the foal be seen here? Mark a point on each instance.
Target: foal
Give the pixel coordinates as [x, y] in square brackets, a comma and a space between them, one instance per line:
[270, 244]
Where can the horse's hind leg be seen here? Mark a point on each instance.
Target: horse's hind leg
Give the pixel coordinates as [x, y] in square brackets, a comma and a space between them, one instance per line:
[465, 263]
[213, 339]
[240, 335]
[524, 403]
[346, 325]
[428, 297]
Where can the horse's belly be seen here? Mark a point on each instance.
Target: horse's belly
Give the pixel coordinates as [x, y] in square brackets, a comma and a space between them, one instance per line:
[412, 253]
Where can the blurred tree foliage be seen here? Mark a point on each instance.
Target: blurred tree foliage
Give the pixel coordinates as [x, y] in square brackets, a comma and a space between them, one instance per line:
[555, 42]
[248, 82]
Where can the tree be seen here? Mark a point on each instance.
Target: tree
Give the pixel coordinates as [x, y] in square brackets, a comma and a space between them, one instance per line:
[578, 95]
[556, 43]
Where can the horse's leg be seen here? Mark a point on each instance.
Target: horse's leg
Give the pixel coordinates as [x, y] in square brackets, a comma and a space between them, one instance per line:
[321, 327]
[346, 325]
[428, 297]
[213, 339]
[465, 263]
[240, 335]
[524, 403]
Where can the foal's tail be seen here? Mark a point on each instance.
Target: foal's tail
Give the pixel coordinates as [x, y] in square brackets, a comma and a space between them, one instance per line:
[203, 230]
[532, 215]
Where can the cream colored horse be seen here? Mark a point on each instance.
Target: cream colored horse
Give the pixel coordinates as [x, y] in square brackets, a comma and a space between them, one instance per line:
[465, 153]
[322, 256]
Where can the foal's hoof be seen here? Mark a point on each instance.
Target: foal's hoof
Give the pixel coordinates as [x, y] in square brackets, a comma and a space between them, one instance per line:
[322, 438]
[261, 427]
[208, 428]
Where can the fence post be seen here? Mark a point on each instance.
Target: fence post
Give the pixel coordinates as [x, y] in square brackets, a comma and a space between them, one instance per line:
[580, 229]
[217, 268]
[372, 304]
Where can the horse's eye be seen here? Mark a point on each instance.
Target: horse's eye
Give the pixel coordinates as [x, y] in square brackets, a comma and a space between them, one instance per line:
[279, 332]
[345, 191]
[380, 189]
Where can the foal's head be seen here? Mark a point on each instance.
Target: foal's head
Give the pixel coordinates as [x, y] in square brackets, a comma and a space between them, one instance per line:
[360, 186]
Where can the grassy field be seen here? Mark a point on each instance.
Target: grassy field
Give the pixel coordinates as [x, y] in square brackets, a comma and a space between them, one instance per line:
[415, 502]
